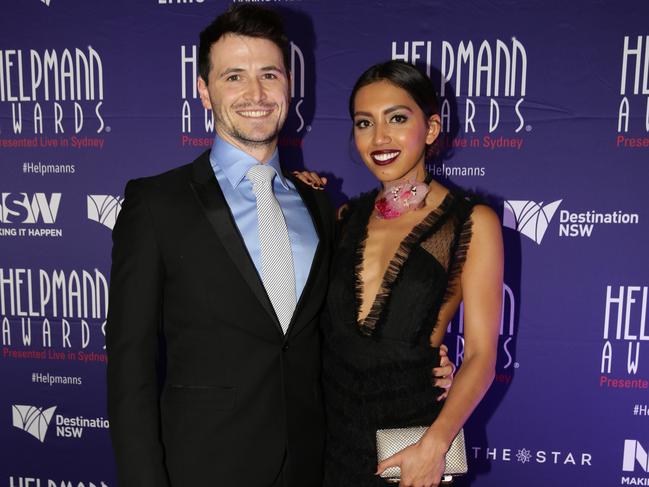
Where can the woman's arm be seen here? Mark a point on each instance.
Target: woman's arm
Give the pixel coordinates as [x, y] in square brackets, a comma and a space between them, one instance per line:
[481, 284]
[311, 178]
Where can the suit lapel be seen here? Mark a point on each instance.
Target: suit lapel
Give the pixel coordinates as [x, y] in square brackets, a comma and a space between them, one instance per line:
[308, 197]
[211, 198]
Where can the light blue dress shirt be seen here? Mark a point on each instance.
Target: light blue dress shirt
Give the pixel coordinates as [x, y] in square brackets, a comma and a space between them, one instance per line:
[230, 166]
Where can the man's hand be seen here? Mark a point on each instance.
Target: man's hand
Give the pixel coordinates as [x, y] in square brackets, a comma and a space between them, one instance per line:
[443, 375]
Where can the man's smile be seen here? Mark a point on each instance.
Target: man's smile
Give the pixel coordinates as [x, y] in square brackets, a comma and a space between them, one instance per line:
[254, 113]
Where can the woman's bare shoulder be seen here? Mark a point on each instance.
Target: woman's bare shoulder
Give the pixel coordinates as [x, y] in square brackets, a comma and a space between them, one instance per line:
[486, 231]
[484, 215]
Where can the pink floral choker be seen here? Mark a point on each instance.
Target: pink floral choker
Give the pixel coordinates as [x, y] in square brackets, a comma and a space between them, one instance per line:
[400, 197]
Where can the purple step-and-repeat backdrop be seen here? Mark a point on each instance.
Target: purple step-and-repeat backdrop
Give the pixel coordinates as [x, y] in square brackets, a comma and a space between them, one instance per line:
[545, 110]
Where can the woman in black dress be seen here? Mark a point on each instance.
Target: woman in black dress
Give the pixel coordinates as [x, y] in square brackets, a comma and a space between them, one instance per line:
[407, 255]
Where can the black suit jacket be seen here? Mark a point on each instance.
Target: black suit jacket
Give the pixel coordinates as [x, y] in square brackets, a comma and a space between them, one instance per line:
[204, 389]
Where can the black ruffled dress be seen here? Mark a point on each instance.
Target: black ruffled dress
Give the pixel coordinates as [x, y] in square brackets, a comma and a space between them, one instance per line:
[378, 373]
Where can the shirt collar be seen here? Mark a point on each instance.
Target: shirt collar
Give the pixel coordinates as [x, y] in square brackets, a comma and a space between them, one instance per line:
[235, 163]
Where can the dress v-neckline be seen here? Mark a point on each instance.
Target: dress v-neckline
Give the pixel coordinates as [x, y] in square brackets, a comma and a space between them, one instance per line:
[367, 324]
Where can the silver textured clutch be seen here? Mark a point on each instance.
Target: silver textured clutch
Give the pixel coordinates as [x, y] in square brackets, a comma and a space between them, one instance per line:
[391, 441]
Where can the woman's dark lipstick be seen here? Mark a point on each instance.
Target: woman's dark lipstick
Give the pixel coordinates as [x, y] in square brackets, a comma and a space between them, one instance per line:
[385, 156]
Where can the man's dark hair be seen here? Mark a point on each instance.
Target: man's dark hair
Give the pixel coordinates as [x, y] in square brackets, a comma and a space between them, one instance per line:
[245, 20]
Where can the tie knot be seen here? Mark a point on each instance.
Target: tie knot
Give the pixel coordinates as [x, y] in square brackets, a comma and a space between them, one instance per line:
[260, 173]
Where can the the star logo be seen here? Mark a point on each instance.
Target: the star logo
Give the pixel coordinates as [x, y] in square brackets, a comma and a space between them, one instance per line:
[523, 455]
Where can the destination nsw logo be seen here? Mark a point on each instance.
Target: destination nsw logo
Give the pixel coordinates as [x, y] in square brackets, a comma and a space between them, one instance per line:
[625, 329]
[533, 219]
[483, 85]
[32, 420]
[36, 421]
[633, 110]
[52, 98]
[529, 218]
[104, 208]
[198, 131]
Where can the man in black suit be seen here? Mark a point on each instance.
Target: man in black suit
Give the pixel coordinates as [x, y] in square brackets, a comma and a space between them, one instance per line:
[212, 337]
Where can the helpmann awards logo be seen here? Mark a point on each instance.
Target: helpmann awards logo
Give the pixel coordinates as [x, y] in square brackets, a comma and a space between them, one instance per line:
[51, 98]
[633, 111]
[53, 314]
[506, 362]
[43, 482]
[625, 329]
[482, 86]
